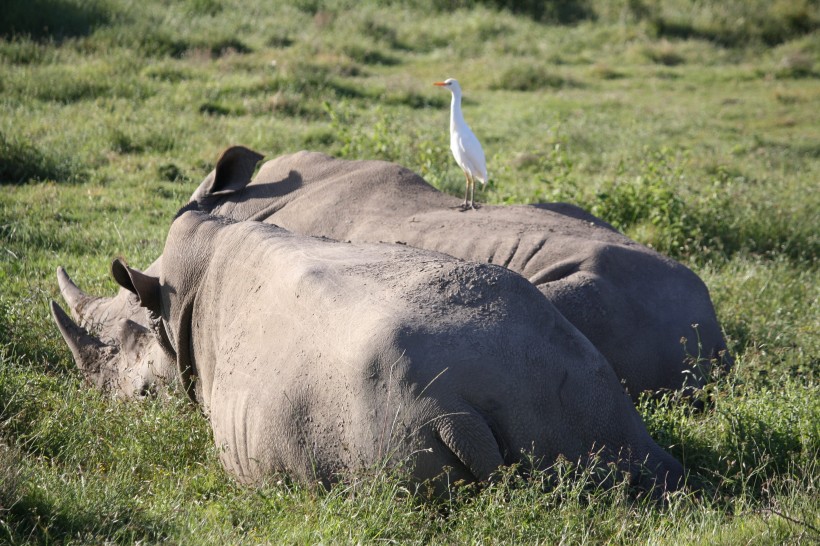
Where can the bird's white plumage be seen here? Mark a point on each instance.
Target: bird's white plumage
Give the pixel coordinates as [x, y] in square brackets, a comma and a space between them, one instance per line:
[465, 146]
[468, 153]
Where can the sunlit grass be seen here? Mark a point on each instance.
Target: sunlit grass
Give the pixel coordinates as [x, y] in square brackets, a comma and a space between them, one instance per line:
[690, 128]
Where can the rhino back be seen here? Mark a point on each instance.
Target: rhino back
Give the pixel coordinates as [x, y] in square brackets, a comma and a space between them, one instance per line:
[631, 301]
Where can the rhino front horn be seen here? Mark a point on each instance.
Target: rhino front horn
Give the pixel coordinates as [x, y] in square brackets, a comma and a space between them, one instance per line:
[76, 299]
[89, 352]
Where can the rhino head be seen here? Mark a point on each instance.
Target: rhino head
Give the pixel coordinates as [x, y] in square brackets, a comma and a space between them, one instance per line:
[111, 341]
[130, 365]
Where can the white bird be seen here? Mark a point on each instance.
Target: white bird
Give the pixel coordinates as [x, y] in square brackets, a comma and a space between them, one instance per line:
[463, 143]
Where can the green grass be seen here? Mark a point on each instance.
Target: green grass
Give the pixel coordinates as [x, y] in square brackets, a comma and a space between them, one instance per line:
[693, 127]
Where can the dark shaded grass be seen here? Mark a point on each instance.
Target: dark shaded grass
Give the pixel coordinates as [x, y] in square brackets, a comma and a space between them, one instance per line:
[155, 42]
[298, 89]
[70, 495]
[23, 161]
[729, 24]
[530, 77]
[41, 519]
[52, 19]
[564, 12]
[369, 55]
[768, 23]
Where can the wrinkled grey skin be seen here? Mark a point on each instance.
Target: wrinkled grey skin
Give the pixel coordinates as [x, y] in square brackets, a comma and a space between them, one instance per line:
[317, 358]
[634, 304]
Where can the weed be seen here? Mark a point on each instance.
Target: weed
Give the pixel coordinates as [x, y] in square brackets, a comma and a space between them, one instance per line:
[171, 172]
[520, 77]
[368, 55]
[664, 53]
[650, 203]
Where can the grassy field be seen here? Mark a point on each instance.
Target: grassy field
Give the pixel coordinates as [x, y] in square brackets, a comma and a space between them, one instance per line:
[692, 126]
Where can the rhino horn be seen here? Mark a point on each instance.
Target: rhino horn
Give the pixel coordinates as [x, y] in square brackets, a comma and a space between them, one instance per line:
[89, 353]
[77, 300]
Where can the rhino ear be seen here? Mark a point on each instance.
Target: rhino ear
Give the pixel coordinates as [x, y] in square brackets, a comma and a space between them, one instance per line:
[144, 286]
[233, 171]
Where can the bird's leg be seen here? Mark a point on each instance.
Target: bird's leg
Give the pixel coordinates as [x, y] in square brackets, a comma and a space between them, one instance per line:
[472, 194]
[471, 189]
[466, 189]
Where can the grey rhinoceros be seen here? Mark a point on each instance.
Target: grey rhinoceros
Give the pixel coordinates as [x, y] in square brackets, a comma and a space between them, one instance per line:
[318, 358]
[633, 303]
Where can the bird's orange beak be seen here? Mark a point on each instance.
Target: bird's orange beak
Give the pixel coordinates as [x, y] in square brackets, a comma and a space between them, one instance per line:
[440, 84]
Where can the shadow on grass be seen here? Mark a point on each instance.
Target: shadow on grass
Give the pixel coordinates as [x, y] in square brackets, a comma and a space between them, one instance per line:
[21, 161]
[45, 19]
[755, 439]
[565, 12]
[34, 519]
[774, 30]
[531, 78]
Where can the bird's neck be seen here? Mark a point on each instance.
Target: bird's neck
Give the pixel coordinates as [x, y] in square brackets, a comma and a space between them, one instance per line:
[456, 117]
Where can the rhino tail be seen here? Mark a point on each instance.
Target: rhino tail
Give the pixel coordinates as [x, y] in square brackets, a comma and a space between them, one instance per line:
[90, 354]
[468, 435]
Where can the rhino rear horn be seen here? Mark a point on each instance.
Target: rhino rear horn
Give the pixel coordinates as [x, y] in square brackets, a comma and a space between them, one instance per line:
[146, 287]
[90, 354]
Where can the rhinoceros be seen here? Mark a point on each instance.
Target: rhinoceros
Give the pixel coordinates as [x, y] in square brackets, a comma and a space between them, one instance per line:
[634, 304]
[317, 359]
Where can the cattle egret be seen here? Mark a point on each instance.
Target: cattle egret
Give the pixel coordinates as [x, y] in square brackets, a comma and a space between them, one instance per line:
[463, 143]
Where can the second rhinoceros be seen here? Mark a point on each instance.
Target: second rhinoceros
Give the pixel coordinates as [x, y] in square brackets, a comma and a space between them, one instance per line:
[318, 358]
